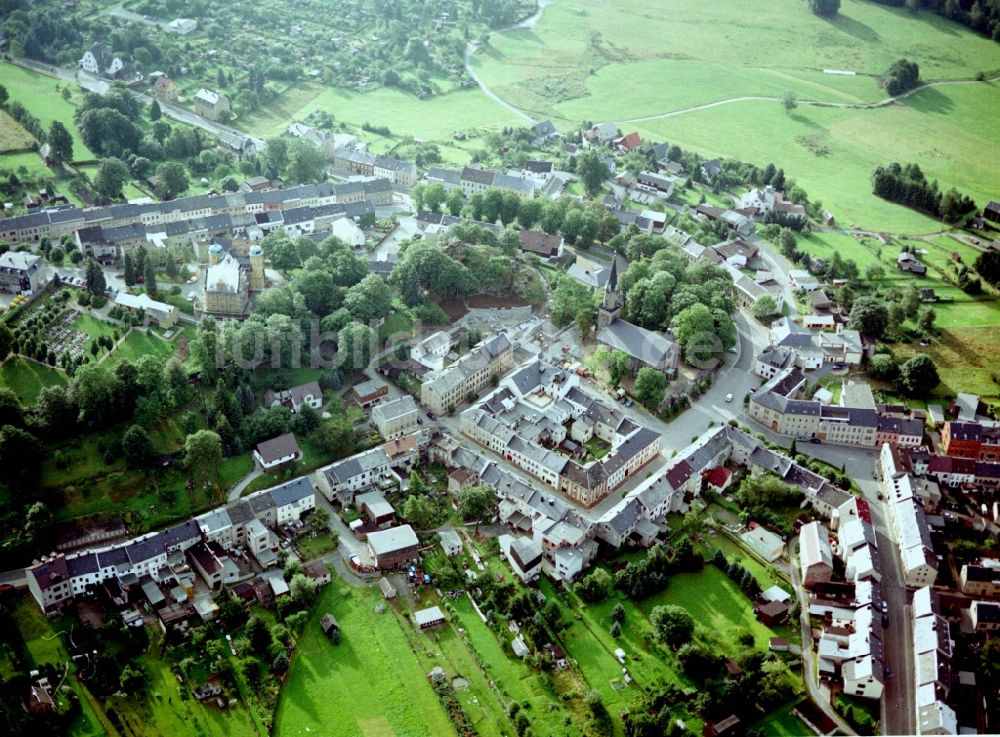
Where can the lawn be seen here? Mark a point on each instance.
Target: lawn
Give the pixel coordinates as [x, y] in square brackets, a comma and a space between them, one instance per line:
[93, 327]
[965, 358]
[163, 711]
[435, 118]
[784, 724]
[44, 645]
[12, 136]
[137, 344]
[515, 681]
[369, 684]
[27, 378]
[38, 93]
[824, 245]
[592, 60]
[717, 605]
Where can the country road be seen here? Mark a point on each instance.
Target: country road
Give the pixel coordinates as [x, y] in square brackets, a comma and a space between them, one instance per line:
[472, 46]
[814, 103]
[100, 86]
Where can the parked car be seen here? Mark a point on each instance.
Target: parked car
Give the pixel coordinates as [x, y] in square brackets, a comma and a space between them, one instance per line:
[729, 397]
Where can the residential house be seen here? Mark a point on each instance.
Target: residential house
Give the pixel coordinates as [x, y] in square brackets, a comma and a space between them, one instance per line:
[369, 393]
[908, 262]
[182, 26]
[542, 244]
[601, 133]
[374, 506]
[815, 556]
[470, 374]
[211, 105]
[270, 455]
[22, 272]
[165, 89]
[99, 60]
[524, 555]
[396, 418]
[309, 394]
[394, 547]
[627, 143]
[431, 350]
[158, 313]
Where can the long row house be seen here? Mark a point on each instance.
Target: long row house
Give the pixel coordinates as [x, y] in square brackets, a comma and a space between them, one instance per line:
[203, 543]
[186, 218]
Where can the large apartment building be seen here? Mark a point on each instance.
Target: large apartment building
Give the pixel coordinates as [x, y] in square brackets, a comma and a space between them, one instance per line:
[487, 361]
[973, 440]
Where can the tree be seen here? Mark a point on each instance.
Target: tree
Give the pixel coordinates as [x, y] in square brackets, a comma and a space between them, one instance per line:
[434, 196]
[149, 275]
[354, 345]
[883, 366]
[4, 95]
[763, 491]
[60, 142]
[258, 634]
[919, 375]
[6, 341]
[618, 614]
[93, 391]
[672, 624]
[171, 180]
[869, 316]
[229, 184]
[128, 264]
[284, 255]
[454, 201]
[155, 113]
[789, 101]
[764, 307]
[94, 275]
[650, 385]
[303, 590]
[595, 586]
[137, 447]
[419, 511]
[477, 503]
[305, 161]
[370, 299]
[110, 177]
[825, 8]
[987, 264]
[203, 455]
[592, 170]
[20, 458]
[274, 157]
[874, 272]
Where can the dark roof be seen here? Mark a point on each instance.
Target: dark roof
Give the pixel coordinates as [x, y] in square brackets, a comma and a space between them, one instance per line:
[292, 492]
[277, 448]
[478, 176]
[538, 167]
[540, 242]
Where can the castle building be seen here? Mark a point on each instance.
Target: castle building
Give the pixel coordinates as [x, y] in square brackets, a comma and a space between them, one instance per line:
[229, 280]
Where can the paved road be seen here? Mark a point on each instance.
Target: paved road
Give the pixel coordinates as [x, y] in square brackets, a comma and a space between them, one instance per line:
[134, 17]
[237, 491]
[473, 46]
[94, 84]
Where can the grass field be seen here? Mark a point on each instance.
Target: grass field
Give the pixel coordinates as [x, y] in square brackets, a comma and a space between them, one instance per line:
[27, 378]
[615, 56]
[138, 344]
[12, 136]
[38, 93]
[433, 119]
[370, 684]
[784, 724]
[44, 645]
[597, 61]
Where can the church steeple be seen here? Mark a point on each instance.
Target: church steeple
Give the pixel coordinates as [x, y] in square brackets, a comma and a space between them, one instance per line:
[611, 305]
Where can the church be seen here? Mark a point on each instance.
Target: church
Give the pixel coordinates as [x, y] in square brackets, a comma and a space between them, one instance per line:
[644, 347]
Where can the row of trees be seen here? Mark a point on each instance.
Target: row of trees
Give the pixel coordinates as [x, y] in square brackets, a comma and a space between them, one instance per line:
[908, 186]
[982, 16]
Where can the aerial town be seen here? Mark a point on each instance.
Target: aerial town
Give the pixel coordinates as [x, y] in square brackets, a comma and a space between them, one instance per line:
[441, 370]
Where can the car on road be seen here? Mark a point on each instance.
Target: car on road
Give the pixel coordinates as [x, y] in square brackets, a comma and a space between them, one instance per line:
[753, 390]
[629, 402]
[733, 351]
[816, 441]
[431, 416]
[729, 397]
[191, 298]
[885, 607]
